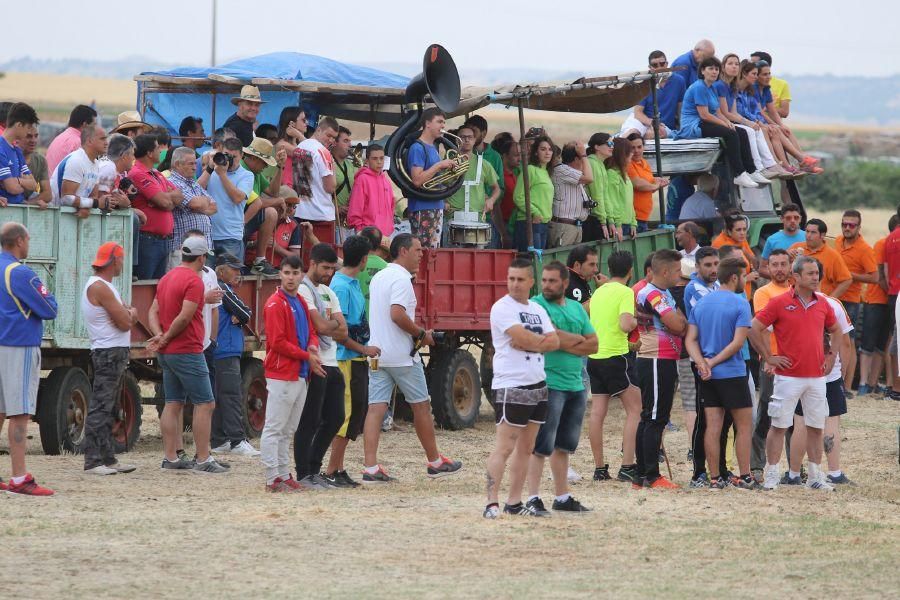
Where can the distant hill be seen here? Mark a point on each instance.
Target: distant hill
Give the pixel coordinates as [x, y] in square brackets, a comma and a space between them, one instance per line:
[816, 98]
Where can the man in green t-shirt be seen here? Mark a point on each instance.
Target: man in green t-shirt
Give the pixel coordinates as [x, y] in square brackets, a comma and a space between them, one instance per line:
[481, 175]
[567, 398]
[479, 127]
[344, 175]
[611, 368]
[374, 263]
[264, 204]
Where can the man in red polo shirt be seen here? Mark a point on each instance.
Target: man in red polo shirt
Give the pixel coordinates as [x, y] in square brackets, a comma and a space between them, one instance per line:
[800, 319]
[156, 198]
[891, 267]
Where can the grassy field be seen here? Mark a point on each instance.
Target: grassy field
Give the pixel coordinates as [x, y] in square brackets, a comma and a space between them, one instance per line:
[156, 534]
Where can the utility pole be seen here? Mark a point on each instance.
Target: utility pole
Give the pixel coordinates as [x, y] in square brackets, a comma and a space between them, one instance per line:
[212, 60]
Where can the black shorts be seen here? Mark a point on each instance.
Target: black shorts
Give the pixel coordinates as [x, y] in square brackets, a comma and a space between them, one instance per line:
[837, 401]
[731, 393]
[520, 406]
[658, 378]
[875, 329]
[612, 376]
[253, 225]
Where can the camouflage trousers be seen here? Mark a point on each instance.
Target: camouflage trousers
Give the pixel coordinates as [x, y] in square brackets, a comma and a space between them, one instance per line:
[109, 366]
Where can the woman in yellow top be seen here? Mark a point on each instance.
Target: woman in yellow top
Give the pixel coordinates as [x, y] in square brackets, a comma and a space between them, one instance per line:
[540, 189]
[595, 227]
[735, 234]
[620, 191]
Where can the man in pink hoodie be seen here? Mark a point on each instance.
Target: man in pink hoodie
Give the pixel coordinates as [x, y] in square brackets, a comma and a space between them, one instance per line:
[372, 199]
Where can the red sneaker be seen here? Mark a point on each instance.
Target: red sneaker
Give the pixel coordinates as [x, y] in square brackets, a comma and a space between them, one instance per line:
[3, 486]
[661, 483]
[278, 485]
[292, 483]
[28, 488]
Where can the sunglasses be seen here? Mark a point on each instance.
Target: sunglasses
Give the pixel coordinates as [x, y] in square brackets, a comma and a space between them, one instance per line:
[610, 143]
[659, 65]
[849, 225]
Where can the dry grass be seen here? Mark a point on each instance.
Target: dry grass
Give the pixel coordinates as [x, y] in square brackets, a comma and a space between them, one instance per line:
[162, 534]
[43, 89]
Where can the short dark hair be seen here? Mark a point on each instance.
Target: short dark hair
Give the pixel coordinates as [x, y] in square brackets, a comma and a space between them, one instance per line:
[791, 207]
[569, 153]
[655, 54]
[144, 144]
[81, 115]
[233, 144]
[555, 265]
[219, 134]
[292, 261]
[727, 249]
[619, 263]
[430, 113]
[503, 142]
[344, 130]
[733, 217]
[693, 229]
[820, 224]
[356, 248]
[852, 212]
[21, 113]
[162, 136]
[323, 253]
[598, 139]
[729, 267]
[373, 148]
[664, 257]
[779, 252]
[189, 125]
[266, 130]
[648, 262]
[373, 234]
[479, 122]
[705, 252]
[763, 56]
[328, 123]
[711, 61]
[520, 262]
[634, 136]
[4, 110]
[579, 254]
[893, 222]
[401, 241]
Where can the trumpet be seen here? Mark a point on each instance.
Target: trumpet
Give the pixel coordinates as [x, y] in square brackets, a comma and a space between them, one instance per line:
[356, 156]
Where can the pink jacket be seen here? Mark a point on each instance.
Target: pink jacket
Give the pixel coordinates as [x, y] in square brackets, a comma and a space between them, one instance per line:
[371, 202]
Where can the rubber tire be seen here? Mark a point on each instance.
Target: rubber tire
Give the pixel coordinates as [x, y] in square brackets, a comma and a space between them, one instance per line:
[487, 371]
[131, 394]
[53, 407]
[252, 370]
[447, 412]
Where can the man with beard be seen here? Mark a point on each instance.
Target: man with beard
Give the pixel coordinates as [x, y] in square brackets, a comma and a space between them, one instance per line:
[784, 239]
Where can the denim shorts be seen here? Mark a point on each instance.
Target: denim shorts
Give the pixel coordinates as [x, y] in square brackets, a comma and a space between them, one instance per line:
[235, 247]
[565, 417]
[853, 311]
[186, 378]
[410, 380]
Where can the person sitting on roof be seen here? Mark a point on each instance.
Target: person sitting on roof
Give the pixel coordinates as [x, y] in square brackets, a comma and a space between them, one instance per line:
[243, 121]
[669, 92]
[781, 91]
[701, 204]
[767, 103]
[691, 60]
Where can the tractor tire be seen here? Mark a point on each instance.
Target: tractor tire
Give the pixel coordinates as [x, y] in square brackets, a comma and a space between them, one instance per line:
[127, 415]
[253, 389]
[455, 387]
[62, 409]
[487, 371]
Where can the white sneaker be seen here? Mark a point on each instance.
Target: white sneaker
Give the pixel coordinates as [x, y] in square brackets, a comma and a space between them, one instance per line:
[245, 449]
[773, 172]
[101, 470]
[759, 178]
[573, 476]
[223, 449]
[744, 180]
[817, 480]
[771, 477]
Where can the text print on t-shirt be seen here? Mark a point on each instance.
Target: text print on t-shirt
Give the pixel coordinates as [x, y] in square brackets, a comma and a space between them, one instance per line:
[532, 323]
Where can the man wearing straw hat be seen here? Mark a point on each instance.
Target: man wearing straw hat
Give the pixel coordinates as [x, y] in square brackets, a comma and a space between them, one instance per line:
[130, 123]
[265, 202]
[243, 121]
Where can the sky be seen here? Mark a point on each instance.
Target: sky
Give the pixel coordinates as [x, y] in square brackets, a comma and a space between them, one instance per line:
[596, 38]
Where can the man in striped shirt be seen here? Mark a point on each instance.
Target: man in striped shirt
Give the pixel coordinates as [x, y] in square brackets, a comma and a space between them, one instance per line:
[569, 196]
[194, 210]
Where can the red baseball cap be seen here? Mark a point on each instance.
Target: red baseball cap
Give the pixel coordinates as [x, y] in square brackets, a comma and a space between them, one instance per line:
[106, 253]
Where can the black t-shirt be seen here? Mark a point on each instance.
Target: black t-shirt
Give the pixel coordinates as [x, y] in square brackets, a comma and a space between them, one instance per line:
[241, 128]
[578, 289]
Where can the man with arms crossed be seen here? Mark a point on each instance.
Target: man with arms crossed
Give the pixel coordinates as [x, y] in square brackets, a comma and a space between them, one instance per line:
[394, 331]
[567, 397]
[717, 329]
[522, 332]
[800, 319]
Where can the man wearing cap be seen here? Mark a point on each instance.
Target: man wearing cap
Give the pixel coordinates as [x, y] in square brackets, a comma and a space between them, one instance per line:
[176, 321]
[129, 123]
[264, 203]
[109, 322]
[242, 122]
[25, 302]
[195, 210]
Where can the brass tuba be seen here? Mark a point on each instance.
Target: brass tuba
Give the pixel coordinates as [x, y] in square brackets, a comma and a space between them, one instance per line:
[440, 80]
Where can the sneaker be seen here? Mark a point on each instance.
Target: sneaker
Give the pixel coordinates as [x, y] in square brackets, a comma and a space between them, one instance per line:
[757, 475]
[863, 389]
[210, 467]
[183, 463]
[744, 180]
[602, 473]
[388, 423]
[819, 482]
[759, 178]
[29, 487]
[223, 449]
[123, 467]
[279, 485]
[537, 505]
[313, 482]
[570, 505]
[573, 476]
[379, 476]
[292, 483]
[342, 479]
[841, 479]
[491, 511]
[771, 478]
[3, 486]
[662, 483]
[747, 482]
[639, 484]
[101, 470]
[262, 267]
[522, 510]
[180, 453]
[773, 172]
[892, 395]
[699, 482]
[718, 483]
[849, 395]
[786, 479]
[222, 463]
[628, 473]
[244, 449]
[447, 467]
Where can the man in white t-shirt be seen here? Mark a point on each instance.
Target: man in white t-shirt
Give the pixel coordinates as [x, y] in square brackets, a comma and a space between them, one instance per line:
[522, 332]
[323, 413]
[393, 329]
[74, 182]
[317, 205]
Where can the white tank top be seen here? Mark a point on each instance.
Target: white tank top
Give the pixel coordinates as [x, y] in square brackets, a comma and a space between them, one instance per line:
[103, 332]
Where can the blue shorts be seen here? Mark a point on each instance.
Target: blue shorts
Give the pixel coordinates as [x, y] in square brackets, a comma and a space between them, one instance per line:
[186, 378]
[565, 417]
[410, 380]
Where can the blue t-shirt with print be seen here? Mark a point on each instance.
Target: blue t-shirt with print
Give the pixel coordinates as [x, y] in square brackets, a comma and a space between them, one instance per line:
[425, 156]
[783, 241]
[667, 97]
[716, 317]
[12, 164]
[302, 325]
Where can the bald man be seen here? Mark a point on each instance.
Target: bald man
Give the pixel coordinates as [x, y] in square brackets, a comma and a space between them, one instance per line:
[691, 59]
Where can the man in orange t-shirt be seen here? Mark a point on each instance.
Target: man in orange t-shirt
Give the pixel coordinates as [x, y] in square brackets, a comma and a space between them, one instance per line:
[645, 184]
[836, 277]
[876, 321]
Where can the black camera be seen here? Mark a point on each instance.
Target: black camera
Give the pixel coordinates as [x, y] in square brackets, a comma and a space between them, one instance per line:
[589, 204]
[223, 159]
[127, 186]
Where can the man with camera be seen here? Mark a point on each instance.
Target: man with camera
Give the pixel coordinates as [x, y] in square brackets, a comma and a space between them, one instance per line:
[571, 204]
[230, 185]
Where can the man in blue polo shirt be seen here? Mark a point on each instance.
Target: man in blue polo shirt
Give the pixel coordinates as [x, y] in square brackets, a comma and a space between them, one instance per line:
[426, 217]
[692, 59]
[669, 92]
[16, 180]
[784, 239]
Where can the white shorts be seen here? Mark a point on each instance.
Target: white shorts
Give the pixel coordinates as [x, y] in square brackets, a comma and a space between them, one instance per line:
[809, 391]
[631, 123]
[20, 376]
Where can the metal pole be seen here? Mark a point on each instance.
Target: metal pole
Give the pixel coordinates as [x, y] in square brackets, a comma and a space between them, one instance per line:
[212, 58]
[523, 162]
[662, 191]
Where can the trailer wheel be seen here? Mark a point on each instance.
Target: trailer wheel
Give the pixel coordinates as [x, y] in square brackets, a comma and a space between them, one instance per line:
[253, 388]
[62, 410]
[455, 390]
[487, 371]
[127, 414]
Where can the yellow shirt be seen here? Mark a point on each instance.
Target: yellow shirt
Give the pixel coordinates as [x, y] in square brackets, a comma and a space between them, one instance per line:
[780, 91]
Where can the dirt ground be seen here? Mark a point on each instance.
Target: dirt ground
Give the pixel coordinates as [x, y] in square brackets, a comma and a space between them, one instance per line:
[156, 534]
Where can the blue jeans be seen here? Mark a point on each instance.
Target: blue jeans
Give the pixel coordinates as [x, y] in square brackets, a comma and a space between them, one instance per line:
[642, 227]
[186, 378]
[235, 247]
[153, 257]
[565, 417]
[626, 230]
[853, 310]
[539, 233]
